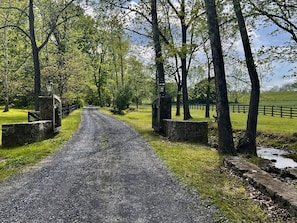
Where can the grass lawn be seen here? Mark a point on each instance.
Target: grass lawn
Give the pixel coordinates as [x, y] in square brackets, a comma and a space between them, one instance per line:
[280, 98]
[14, 160]
[266, 123]
[200, 167]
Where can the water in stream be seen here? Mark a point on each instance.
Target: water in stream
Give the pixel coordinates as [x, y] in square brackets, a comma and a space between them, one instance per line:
[277, 156]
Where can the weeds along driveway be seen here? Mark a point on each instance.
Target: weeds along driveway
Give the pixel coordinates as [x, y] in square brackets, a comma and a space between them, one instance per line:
[105, 173]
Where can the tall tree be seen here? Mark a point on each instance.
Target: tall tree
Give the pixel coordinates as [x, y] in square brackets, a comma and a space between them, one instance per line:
[184, 51]
[181, 14]
[54, 22]
[159, 60]
[12, 58]
[6, 66]
[209, 77]
[226, 144]
[248, 143]
[139, 80]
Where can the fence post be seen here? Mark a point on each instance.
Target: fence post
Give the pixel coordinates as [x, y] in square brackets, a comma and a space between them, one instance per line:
[291, 111]
[272, 110]
[264, 110]
[281, 111]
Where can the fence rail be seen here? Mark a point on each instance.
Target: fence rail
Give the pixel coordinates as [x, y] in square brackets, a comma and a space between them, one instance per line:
[66, 110]
[269, 110]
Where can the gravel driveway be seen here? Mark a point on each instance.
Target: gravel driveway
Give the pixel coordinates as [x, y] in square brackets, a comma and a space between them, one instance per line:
[105, 173]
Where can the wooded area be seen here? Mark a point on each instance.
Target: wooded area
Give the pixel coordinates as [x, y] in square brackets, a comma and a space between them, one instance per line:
[115, 52]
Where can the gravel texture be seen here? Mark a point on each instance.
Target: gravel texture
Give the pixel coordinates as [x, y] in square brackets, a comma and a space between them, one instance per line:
[105, 173]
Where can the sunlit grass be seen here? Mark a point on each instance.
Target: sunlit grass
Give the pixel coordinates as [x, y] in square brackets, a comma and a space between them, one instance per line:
[266, 123]
[281, 98]
[14, 160]
[200, 167]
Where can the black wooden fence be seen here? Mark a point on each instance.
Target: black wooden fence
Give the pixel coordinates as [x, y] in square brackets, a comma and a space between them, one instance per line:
[66, 110]
[270, 110]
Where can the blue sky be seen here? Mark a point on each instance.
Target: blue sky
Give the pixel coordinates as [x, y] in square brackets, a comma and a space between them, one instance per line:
[262, 37]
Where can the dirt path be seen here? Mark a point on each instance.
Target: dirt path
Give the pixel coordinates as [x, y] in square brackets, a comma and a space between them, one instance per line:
[105, 173]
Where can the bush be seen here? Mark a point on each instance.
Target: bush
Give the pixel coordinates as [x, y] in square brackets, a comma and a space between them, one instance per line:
[123, 98]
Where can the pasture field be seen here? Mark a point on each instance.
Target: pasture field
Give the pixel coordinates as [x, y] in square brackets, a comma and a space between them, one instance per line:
[266, 123]
[281, 98]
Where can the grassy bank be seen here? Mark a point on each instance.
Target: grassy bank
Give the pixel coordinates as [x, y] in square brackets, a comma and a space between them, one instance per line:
[14, 160]
[280, 98]
[200, 167]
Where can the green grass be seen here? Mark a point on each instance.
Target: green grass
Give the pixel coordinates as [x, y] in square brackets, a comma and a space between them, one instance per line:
[200, 167]
[266, 123]
[14, 160]
[284, 98]
[278, 131]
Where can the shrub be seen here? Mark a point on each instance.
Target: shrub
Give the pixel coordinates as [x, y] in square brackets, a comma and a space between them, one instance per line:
[123, 98]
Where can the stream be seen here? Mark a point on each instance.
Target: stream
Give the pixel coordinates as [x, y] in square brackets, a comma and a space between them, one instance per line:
[276, 155]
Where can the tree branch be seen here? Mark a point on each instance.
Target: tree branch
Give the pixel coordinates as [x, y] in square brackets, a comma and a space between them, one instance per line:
[17, 27]
[139, 33]
[16, 8]
[55, 24]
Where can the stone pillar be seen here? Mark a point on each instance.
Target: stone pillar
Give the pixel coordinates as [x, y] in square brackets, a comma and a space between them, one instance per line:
[51, 109]
[46, 105]
[57, 118]
[161, 109]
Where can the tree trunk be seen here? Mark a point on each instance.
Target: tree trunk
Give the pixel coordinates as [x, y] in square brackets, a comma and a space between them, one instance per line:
[177, 78]
[248, 143]
[100, 96]
[208, 89]
[226, 144]
[186, 106]
[207, 100]
[178, 98]
[6, 94]
[137, 102]
[121, 61]
[183, 55]
[157, 44]
[35, 54]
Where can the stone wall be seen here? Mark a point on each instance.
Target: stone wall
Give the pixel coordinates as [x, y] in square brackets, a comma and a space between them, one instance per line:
[25, 133]
[190, 131]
